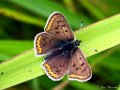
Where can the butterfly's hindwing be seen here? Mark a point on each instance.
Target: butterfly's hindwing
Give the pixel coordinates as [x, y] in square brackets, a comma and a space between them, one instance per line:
[79, 68]
[56, 67]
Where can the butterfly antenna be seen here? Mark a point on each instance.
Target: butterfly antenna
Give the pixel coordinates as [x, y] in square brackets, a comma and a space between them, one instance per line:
[81, 24]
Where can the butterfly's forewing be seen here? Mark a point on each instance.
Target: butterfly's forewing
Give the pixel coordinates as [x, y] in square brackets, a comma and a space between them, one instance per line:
[79, 68]
[58, 26]
[56, 30]
[56, 67]
[44, 43]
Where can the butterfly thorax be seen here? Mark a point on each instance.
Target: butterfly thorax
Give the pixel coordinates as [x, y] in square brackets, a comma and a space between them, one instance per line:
[65, 48]
[71, 45]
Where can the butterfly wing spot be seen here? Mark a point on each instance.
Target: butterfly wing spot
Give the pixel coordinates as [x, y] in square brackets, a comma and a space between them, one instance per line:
[77, 68]
[66, 30]
[61, 65]
[83, 69]
[44, 39]
[82, 64]
[63, 26]
[54, 67]
[58, 71]
[58, 25]
[58, 22]
[44, 44]
[57, 32]
[74, 65]
[61, 20]
[79, 58]
[50, 40]
[56, 28]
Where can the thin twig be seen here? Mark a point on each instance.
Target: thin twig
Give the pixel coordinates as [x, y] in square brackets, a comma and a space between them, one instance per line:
[61, 85]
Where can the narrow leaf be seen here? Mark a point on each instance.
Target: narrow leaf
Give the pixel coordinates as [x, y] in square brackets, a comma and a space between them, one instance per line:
[95, 38]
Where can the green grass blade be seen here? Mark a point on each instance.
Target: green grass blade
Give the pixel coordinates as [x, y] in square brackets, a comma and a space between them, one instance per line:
[100, 36]
[94, 10]
[43, 8]
[20, 69]
[10, 48]
[12, 12]
[85, 86]
[118, 87]
[13, 47]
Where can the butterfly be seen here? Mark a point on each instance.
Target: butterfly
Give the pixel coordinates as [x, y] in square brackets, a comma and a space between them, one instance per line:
[62, 55]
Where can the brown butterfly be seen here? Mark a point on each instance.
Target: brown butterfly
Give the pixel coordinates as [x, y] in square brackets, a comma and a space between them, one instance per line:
[62, 55]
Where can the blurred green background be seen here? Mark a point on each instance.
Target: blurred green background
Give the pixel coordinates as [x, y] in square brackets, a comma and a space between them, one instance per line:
[21, 20]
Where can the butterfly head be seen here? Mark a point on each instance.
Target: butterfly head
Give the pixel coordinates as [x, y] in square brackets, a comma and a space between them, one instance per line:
[77, 42]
